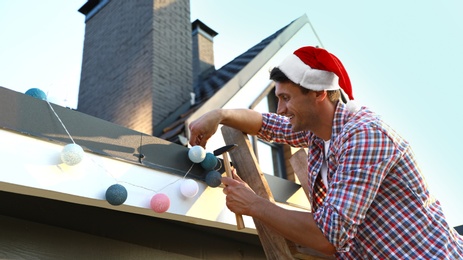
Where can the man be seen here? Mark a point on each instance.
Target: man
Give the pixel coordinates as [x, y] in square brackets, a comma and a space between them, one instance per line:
[369, 199]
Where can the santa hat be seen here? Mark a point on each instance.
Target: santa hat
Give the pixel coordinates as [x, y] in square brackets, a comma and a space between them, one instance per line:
[316, 69]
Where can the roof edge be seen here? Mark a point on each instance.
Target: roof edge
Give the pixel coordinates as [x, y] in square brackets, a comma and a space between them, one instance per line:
[219, 99]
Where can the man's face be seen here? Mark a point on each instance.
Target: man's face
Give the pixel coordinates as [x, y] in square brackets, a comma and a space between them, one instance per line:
[298, 107]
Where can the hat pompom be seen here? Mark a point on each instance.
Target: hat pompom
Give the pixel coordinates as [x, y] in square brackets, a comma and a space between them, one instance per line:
[352, 106]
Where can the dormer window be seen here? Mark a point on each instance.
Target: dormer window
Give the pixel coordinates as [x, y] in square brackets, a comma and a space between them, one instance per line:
[271, 156]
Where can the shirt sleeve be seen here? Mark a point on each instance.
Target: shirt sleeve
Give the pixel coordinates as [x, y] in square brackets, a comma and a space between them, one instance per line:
[361, 160]
[276, 128]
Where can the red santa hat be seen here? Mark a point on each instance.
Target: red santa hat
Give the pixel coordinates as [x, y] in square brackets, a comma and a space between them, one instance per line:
[316, 69]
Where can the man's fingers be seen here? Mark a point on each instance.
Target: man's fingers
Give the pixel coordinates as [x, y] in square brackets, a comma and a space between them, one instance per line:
[198, 139]
[236, 176]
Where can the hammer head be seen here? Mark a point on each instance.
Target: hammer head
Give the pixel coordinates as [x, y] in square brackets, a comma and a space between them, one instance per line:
[225, 149]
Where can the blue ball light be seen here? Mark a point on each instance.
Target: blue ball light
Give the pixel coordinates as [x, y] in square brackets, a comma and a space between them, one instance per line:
[210, 162]
[37, 93]
[213, 179]
[116, 194]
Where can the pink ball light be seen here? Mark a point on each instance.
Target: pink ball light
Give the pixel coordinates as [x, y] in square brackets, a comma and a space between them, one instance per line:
[160, 203]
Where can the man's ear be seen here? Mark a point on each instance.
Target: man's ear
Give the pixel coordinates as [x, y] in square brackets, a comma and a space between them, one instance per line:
[321, 95]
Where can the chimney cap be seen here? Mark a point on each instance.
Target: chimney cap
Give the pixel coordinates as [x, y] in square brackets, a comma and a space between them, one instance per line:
[88, 6]
[198, 24]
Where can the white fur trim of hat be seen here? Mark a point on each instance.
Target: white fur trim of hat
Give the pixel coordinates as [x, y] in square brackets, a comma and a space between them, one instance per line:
[302, 74]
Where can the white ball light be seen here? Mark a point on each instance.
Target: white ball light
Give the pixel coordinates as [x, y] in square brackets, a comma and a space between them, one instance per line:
[72, 154]
[189, 188]
[197, 154]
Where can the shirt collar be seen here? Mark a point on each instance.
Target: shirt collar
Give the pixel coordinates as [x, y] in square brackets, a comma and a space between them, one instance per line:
[341, 116]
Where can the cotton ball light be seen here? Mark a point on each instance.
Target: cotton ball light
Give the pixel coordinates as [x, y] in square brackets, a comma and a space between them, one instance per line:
[209, 162]
[197, 154]
[189, 188]
[213, 179]
[37, 93]
[116, 194]
[72, 154]
[160, 203]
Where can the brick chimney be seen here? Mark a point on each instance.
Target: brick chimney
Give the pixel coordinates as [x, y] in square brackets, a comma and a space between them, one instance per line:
[136, 66]
[203, 51]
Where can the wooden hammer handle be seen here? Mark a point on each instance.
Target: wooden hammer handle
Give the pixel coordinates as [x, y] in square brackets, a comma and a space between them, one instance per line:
[226, 162]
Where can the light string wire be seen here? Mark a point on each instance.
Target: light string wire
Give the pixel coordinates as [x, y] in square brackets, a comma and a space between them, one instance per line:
[140, 186]
[109, 173]
[59, 119]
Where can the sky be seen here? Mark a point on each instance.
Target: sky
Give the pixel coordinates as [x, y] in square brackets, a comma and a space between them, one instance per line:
[403, 58]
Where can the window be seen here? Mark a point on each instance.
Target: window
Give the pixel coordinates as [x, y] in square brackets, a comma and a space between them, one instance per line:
[270, 155]
[271, 158]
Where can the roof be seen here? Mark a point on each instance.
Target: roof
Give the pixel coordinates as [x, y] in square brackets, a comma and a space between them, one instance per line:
[217, 79]
[213, 82]
[459, 229]
[30, 117]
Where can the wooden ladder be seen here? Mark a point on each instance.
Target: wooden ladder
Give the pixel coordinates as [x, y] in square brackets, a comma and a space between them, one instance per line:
[275, 246]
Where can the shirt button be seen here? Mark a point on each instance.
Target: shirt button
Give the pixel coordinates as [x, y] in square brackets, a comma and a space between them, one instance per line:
[314, 173]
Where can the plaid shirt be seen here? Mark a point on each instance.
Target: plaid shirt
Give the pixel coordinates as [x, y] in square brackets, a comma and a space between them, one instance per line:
[378, 205]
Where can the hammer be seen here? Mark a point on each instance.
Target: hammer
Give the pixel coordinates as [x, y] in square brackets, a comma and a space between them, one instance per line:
[226, 161]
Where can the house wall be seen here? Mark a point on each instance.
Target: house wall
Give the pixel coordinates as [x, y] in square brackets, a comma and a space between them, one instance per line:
[136, 66]
[22, 239]
[37, 228]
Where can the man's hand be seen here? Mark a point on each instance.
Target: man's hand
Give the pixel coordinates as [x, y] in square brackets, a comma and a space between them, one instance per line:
[204, 127]
[240, 197]
[245, 120]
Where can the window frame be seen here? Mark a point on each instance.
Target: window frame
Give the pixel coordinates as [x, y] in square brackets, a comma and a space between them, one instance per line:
[276, 149]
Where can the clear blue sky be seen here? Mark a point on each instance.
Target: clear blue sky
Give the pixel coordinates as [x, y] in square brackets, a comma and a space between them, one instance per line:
[403, 57]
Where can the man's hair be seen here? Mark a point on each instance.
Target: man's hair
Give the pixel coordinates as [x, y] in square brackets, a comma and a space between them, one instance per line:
[278, 76]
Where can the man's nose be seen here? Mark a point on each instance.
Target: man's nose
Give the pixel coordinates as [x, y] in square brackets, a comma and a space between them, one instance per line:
[281, 110]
